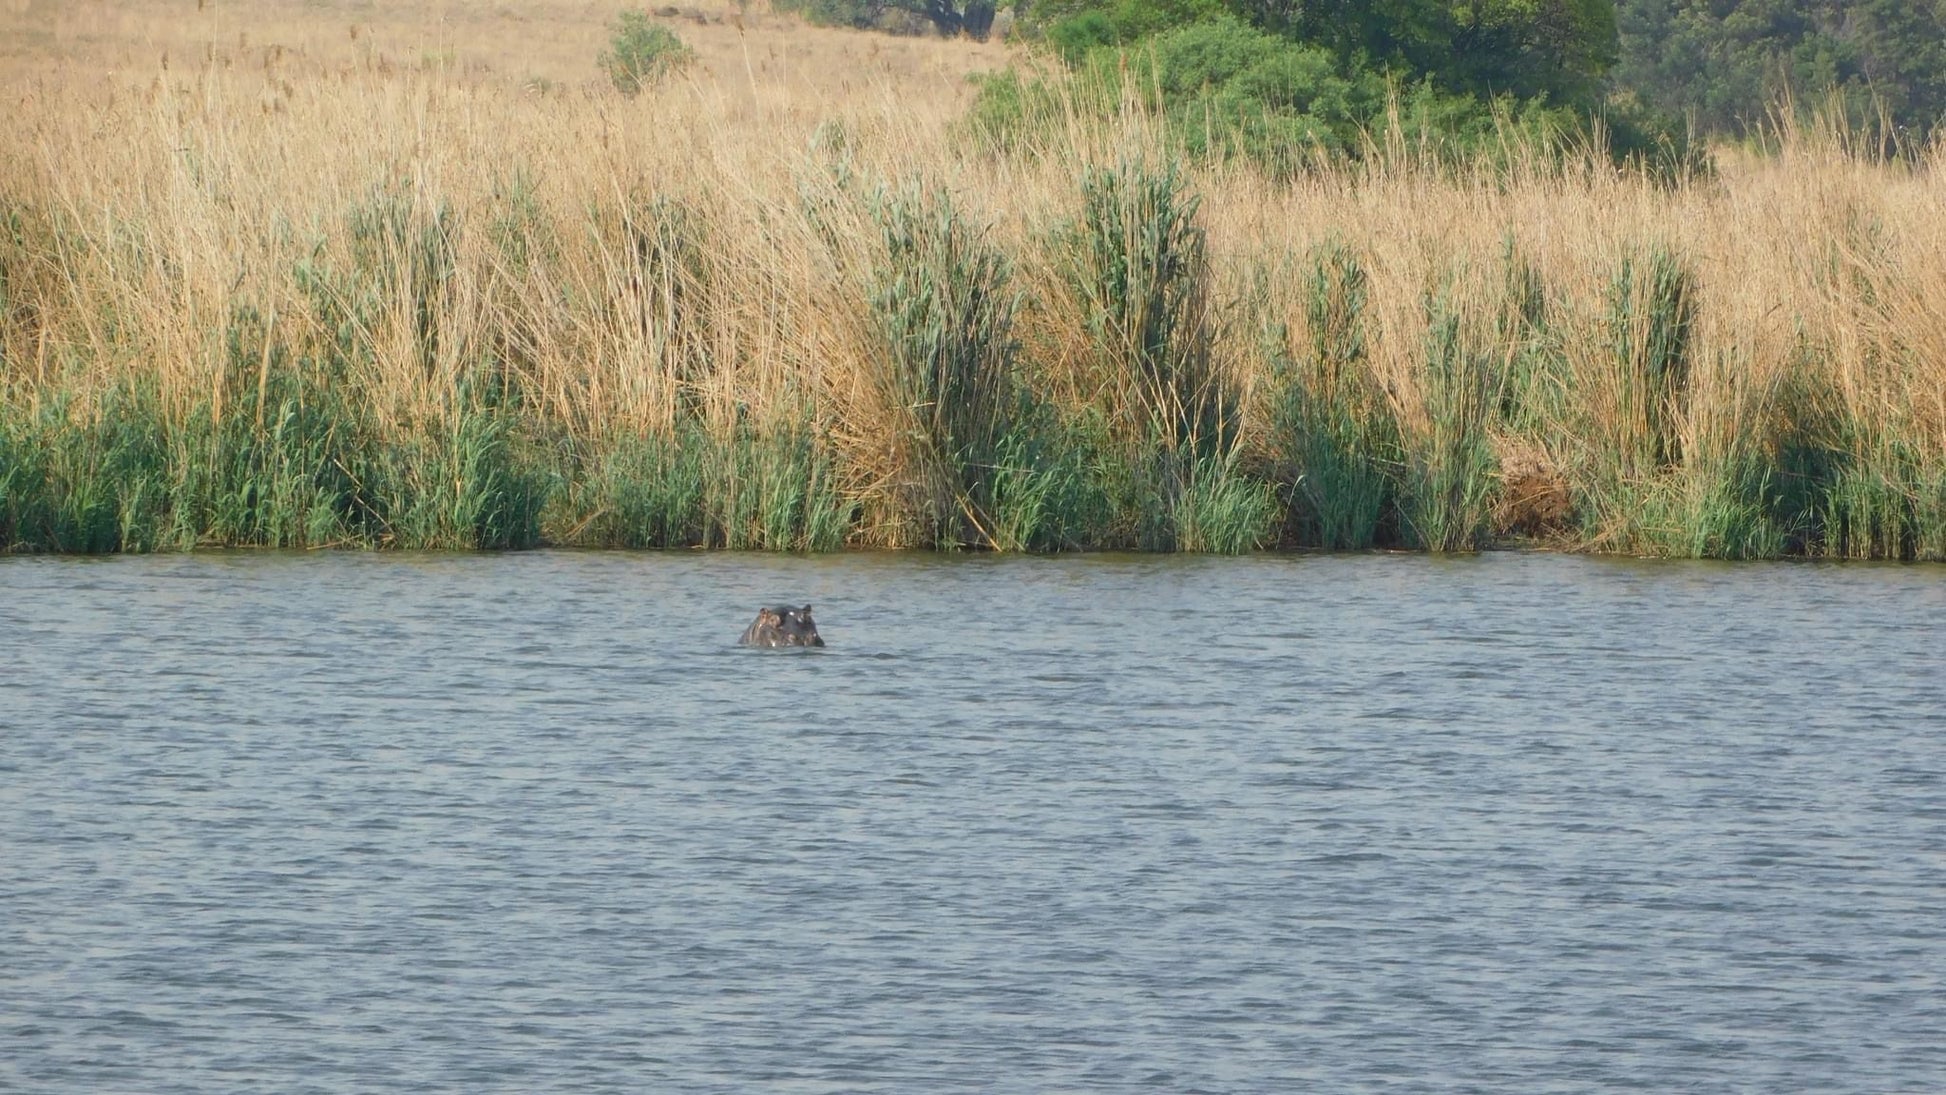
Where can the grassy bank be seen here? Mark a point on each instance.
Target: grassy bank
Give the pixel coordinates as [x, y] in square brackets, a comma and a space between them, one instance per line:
[299, 291]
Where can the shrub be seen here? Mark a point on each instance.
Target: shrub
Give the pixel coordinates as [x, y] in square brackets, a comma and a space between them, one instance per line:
[857, 14]
[1229, 90]
[1073, 27]
[641, 53]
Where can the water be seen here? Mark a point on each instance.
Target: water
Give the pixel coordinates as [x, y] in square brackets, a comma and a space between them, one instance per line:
[353, 823]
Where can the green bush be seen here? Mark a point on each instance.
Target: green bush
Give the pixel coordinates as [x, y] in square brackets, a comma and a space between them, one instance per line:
[1233, 90]
[641, 53]
[857, 14]
[1074, 29]
[1229, 90]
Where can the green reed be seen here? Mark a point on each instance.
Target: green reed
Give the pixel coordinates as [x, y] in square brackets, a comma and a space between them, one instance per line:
[1886, 499]
[1446, 498]
[774, 490]
[1333, 438]
[404, 398]
[1169, 470]
[1222, 510]
[1137, 262]
[770, 489]
[944, 303]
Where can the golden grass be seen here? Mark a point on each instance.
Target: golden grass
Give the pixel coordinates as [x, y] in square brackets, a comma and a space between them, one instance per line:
[91, 48]
[170, 163]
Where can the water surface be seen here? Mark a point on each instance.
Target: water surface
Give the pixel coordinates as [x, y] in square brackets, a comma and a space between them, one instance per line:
[1515, 823]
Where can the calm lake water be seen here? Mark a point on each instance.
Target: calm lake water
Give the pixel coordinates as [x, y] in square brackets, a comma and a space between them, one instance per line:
[1515, 823]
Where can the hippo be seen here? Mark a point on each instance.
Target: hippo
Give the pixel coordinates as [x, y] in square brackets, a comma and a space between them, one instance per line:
[782, 626]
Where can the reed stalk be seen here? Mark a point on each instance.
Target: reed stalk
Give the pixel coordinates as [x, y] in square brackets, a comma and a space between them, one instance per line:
[257, 294]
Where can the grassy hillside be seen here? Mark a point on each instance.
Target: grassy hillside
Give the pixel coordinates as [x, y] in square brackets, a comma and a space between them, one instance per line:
[320, 274]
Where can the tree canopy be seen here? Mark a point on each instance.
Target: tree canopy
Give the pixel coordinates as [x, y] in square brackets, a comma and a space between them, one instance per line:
[1725, 64]
[973, 18]
[1651, 70]
[1553, 49]
[1526, 48]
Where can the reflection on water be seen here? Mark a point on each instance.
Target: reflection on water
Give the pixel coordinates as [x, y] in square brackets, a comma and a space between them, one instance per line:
[534, 822]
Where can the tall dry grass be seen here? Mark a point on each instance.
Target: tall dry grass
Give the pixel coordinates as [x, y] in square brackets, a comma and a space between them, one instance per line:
[283, 274]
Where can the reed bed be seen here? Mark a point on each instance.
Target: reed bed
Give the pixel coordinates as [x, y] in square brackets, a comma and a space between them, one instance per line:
[315, 295]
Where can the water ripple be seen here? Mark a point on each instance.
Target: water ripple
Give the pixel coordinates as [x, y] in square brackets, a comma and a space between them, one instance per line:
[340, 823]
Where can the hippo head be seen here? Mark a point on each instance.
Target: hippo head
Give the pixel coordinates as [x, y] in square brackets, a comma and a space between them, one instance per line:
[783, 626]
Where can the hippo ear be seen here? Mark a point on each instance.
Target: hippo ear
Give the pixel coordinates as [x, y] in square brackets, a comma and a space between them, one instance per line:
[806, 614]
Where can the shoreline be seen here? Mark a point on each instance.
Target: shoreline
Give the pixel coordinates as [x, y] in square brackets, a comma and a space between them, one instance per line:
[1511, 548]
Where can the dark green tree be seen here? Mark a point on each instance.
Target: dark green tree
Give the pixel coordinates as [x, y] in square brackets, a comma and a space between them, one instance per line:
[1727, 64]
[1556, 49]
[970, 17]
[1901, 56]
[973, 18]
